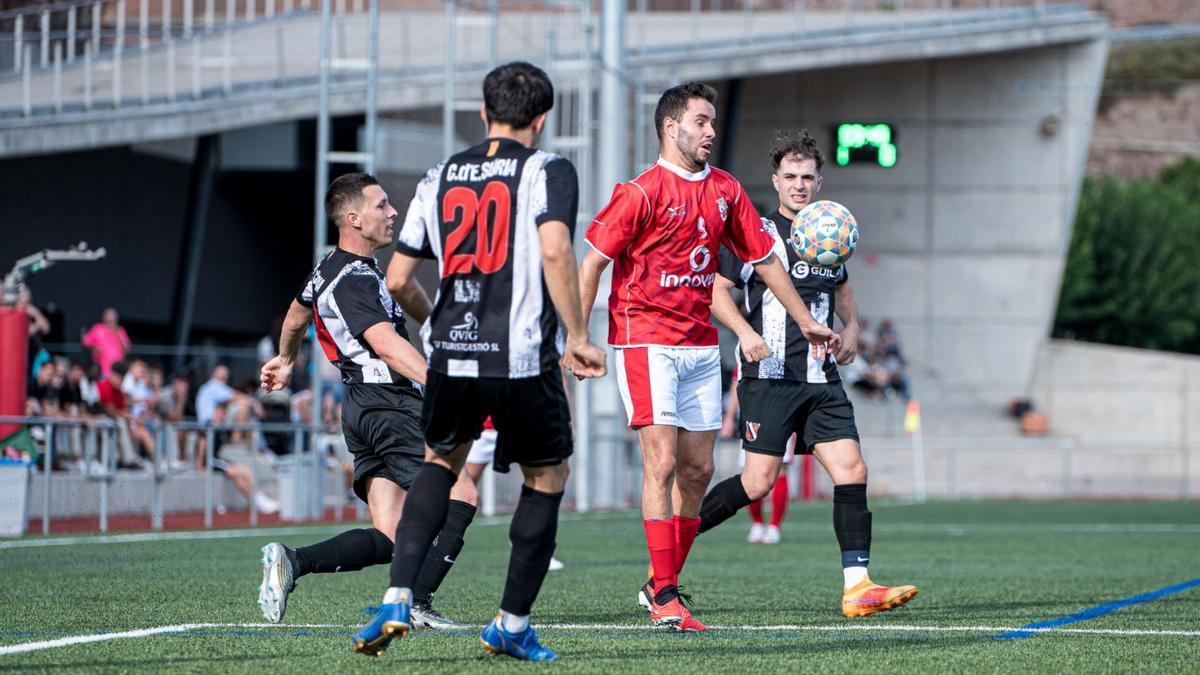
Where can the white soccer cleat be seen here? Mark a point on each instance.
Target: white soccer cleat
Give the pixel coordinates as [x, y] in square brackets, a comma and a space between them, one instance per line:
[279, 579]
[756, 534]
[423, 615]
[555, 564]
[771, 535]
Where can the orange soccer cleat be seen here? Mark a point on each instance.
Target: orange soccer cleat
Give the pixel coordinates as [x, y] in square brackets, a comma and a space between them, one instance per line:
[866, 598]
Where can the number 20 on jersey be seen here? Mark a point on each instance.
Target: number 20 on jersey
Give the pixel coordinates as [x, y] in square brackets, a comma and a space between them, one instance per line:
[486, 214]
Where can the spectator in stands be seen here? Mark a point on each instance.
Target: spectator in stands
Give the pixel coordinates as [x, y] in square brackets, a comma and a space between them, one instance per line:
[46, 390]
[112, 402]
[139, 394]
[72, 395]
[241, 475]
[108, 341]
[244, 409]
[866, 338]
[173, 401]
[39, 326]
[212, 393]
[889, 338]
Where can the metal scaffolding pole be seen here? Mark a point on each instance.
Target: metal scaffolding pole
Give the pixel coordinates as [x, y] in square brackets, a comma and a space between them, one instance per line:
[449, 83]
[322, 180]
[614, 101]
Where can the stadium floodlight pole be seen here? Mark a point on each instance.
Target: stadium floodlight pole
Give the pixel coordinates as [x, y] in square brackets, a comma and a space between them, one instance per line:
[322, 180]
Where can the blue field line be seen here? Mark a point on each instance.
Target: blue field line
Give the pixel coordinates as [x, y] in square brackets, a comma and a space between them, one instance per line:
[1036, 627]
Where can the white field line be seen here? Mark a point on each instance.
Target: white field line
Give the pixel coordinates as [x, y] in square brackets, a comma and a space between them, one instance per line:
[25, 647]
[142, 632]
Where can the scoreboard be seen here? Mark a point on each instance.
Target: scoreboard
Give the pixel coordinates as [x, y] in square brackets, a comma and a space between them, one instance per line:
[865, 144]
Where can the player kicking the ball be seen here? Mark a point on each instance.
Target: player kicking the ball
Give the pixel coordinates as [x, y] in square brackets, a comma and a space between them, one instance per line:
[785, 388]
[663, 231]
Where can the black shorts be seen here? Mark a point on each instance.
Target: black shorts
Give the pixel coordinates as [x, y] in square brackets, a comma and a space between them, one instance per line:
[381, 423]
[530, 414]
[772, 410]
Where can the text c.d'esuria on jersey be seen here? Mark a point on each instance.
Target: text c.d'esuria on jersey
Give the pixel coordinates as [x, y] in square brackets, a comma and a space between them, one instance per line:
[473, 173]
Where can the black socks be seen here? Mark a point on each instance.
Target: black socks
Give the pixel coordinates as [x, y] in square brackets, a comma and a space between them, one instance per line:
[444, 551]
[349, 551]
[532, 533]
[424, 515]
[852, 521]
[725, 499]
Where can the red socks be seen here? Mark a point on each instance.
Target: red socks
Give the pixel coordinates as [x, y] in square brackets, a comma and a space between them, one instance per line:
[686, 530]
[755, 510]
[779, 500]
[661, 541]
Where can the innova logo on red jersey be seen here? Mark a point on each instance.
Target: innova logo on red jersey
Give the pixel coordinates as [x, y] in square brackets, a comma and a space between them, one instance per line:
[699, 261]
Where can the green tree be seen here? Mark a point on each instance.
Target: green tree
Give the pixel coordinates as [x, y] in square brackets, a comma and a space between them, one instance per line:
[1133, 271]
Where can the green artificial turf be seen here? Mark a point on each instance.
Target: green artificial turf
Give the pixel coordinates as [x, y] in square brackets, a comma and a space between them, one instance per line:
[977, 564]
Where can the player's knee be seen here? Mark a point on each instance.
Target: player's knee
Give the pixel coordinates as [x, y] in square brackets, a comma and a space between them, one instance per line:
[757, 484]
[696, 473]
[465, 491]
[851, 471]
[660, 469]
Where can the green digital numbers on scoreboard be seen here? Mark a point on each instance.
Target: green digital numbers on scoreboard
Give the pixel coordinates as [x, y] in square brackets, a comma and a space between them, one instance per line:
[866, 143]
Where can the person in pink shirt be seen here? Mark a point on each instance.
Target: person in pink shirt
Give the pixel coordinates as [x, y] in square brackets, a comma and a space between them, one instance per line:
[108, 341]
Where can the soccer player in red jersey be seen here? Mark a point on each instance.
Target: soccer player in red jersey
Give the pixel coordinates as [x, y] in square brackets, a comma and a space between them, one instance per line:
[663, 232]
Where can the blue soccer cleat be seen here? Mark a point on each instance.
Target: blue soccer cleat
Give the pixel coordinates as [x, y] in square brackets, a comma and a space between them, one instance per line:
[392, 621]
[523, 645]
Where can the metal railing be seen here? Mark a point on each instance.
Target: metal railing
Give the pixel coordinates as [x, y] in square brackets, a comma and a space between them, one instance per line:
[987, 468]
[82, 55]
[99, 445]
[77, 28]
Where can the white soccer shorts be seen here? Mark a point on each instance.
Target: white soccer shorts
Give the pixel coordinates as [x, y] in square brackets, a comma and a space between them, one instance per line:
[484, 448]
[674, 386]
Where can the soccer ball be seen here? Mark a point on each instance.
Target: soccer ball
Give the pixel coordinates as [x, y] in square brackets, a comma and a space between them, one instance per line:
[824, 233]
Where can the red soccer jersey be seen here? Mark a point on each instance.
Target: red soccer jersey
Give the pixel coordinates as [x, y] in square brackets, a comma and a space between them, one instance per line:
[664, 230]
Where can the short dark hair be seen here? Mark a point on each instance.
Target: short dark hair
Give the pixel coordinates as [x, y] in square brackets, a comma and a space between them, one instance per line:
[516, 93]
[799, 144]
[119, 368]
[674, 102]
[345, 192]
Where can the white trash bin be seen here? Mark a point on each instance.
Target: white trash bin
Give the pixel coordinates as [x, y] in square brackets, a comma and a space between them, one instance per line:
[14, 497]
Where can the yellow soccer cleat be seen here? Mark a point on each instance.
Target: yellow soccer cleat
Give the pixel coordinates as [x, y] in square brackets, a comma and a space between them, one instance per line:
[867, 598]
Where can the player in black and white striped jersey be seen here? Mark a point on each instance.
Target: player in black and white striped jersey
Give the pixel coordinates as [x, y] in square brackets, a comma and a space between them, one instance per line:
[498, 219]
[786, 388]
[362, 331]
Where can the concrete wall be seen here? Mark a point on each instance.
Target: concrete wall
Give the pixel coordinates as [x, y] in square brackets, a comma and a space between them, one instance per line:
[964, 240]
[1132, 396]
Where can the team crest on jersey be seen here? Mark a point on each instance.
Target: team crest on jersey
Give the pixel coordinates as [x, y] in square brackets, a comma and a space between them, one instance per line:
[752, 431]
[724, 207]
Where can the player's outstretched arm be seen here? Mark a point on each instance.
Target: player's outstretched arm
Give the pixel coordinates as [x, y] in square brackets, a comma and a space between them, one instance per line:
[396, 352]
[847, 311]
[725, 309]
[582, 358]
[819, 335]
[403, 285]
[590, 269]
[277, 372]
